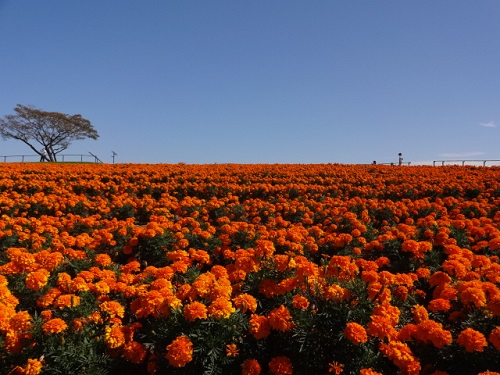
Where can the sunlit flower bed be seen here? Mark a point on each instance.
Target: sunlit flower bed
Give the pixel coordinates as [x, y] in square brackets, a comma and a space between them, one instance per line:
[249, 269]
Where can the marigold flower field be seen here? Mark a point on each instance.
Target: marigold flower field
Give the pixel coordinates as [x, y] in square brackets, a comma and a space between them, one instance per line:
[249, 269]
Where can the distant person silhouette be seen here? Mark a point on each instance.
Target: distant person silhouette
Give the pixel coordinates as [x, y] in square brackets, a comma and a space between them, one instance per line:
[43, 155]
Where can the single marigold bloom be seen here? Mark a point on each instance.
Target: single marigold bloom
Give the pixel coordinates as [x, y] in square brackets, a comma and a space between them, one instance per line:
[134, 352]
[281, 365]
[420, 313]
[221, 308]
[245, 302]
[259, 326]
[423, 273]
[203, 284]
[472, 340]
[114, 337]
[401, 292]
[36, 280]
[113, 309]
[494, 244]
[250, 367]
[334, 293]
[390, 312]
[21, 322]
[55, 325]
[46, 315]
[380, 326]
[180, 351]
[280, 319]
[439, 304]
[103, 260]
[264, 248]
[232, 350]
[369, 371]
[79, 284]
[78, 324]
[474, 296]
[336, 368]
[33, 367]
[195, 310]
[355, 333]
[439, 278]
[300, 302]
[494, 338]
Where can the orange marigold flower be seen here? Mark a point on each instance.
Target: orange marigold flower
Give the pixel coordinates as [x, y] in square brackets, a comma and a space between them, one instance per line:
[423, 273]
[55, 325]
[439, 304]
[259, 326]
[420, 313]
[232, 350]
[380, 326]
[280, 319]
[49, 297]
[78, 324]
[431, 331]
[300, 302]
[401, 355]
[281, 365]
[472, 340]
[368, 371]
[113, 309]
[250, 367]
[114, 337]
[264, 248]
[245, 302]
[46, 315]
[439, 278]
[180, 351]
[103, 260]
[36, 280]
[134, 352]
[335, 293]
[494, 338]
[203, 284]
[21, 322]
[474, 296]
[221, 308]
[406, 333]
[79, 284]
[195, 310]
[336, 368]
[33, 367]
[355, 333]
[494, 244]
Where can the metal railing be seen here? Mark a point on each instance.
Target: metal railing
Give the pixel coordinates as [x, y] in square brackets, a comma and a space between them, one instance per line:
[454, 162]
[61, 157]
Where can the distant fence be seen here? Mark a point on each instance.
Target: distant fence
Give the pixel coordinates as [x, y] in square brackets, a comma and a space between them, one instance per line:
[454, 162]
[61, 157]
[397, 163]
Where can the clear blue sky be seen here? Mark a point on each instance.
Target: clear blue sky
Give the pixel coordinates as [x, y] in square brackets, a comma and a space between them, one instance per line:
[261, 81]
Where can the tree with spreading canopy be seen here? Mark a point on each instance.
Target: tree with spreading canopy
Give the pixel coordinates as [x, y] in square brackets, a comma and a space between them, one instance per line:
[46, 133]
